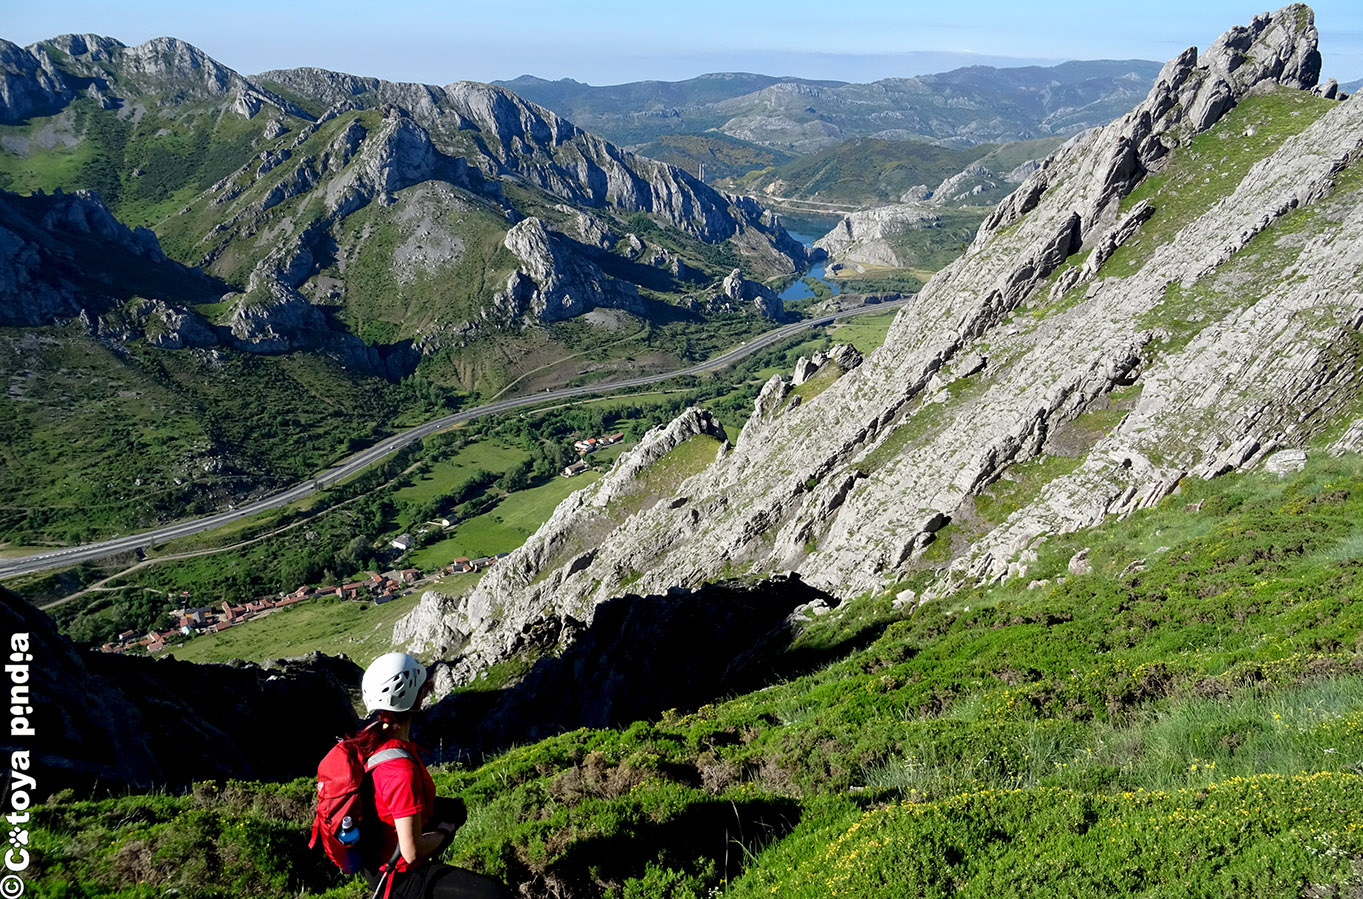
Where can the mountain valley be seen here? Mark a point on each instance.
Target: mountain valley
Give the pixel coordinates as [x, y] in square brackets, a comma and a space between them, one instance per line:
[1044, 582]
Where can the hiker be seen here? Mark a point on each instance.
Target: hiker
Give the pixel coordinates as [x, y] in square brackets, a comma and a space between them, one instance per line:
[410, 823]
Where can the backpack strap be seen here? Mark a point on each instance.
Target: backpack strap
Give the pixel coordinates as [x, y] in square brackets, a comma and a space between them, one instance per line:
[385, 883]
[387, 755]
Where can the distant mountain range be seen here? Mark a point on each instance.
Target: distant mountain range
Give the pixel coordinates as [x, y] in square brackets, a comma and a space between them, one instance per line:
[976, 104]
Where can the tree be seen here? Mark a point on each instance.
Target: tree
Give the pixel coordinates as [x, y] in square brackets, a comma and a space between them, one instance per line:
[517, 478]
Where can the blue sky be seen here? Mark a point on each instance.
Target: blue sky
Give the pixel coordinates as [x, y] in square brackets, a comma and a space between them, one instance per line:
[610, 41]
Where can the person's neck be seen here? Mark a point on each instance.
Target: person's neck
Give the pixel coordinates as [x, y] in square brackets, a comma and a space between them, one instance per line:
[401, 731]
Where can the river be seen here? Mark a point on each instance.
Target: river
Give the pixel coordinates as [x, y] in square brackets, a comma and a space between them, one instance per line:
[800, 290]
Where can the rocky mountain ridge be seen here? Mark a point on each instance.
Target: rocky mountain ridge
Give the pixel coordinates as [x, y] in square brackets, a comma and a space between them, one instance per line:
[1083, 345]
[316, 195]
[977, 104]
[108, 722]
[44, 78]
[518, 139]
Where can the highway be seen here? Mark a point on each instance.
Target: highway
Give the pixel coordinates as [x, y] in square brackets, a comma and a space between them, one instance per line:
[74, 555]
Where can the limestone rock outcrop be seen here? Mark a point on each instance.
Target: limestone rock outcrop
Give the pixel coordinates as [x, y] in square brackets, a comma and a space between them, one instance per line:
[973, 180]
[27, 87]
[32, 84]
[522, 587]
[867, 236]
[749, 293]
[527, 142]
[172, 328]
[1220, 335]
[62, 254]
[555, 282]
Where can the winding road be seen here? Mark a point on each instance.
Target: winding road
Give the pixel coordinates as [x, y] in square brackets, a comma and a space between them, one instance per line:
[74, 555]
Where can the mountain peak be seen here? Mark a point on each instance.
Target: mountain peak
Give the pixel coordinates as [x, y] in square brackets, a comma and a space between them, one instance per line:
[94, 45]
[1281, 46]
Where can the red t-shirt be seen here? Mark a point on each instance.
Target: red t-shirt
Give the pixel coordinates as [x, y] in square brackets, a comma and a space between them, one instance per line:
[402, 787]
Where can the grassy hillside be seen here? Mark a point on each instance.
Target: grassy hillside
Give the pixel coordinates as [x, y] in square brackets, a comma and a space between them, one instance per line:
[862, 172]
[144, 170]
[95, 440]
[1184, 720]
[362, 630]
[721, 156]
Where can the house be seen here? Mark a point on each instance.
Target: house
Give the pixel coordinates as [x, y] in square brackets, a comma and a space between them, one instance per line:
[409, 575]
[481, 562]
[462, 564]
[288, 601]
[126, 636]
[383, 598]
[575, 469]
[614, 438]
[402, 543]
[351, 591]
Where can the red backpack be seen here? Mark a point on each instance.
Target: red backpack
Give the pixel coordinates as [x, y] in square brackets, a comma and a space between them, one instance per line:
[341, 778]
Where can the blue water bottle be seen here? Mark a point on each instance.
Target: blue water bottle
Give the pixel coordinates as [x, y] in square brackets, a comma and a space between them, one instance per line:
[349, 836]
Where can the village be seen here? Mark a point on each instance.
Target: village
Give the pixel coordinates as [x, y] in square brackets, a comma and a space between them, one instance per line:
[587, 447]
[375, 587]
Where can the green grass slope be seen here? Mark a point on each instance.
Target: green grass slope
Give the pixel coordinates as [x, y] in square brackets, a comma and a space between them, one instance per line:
[862, 172]
[1184, 720]
[95, 440]
[717, 154]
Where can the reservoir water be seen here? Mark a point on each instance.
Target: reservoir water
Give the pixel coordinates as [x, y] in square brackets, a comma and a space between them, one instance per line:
[800, 290]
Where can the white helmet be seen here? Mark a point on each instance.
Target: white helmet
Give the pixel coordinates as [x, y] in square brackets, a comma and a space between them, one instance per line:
[392, 682]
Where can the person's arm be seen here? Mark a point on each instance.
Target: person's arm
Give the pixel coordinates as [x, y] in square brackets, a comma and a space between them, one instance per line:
[449, 815]
[413, 844]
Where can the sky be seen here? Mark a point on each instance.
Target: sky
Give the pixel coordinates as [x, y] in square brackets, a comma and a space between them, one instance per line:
[613, 41]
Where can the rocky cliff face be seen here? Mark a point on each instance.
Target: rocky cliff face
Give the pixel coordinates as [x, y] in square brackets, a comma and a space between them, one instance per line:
[108, 721]
[1224, 324]
[637, 659]
[45, 77]
[64, 254]
[865, 236]
[505, 136]
[513, 594]
[750, 293]
[554, 282]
